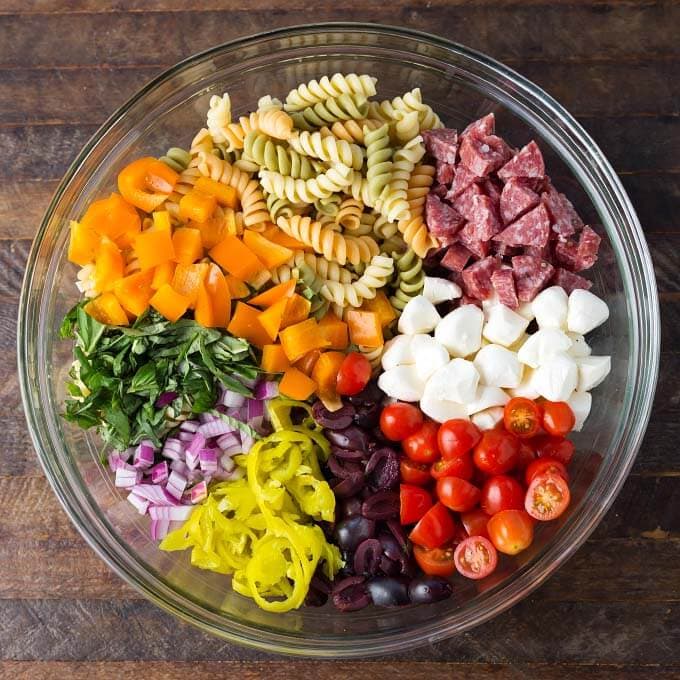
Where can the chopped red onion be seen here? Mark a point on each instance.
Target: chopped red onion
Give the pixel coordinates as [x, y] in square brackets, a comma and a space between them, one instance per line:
[127, 454]
[166, 399]
[215, 428]
[159, 528]
[127, 476]
[154, 494]
[159, 473]
[266, 389]
[174, 448]
[246, 442]
[227, 463]
[141, 504]
[208, 460]
[228, 440]
[115, 461]
[185, 436]
[206, 418]
[189, 426]
[144, 455]
[254, 409]
[176, 513]
[232, 399]
[176, 484]
[180, 466]
[191, 460]
[197, 443]
[199, 492]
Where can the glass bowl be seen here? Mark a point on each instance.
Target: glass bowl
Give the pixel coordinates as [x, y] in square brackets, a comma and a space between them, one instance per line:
[461, 85]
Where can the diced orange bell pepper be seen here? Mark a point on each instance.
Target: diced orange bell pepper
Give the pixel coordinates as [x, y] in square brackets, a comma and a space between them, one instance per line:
[83, 244]
[146, 183]
[275, 235]
[213, 230]
[272, 317]
[381, 306]
[335, 331]
[325, 373]
[364, 328]
[168, 302]
[308, 361]
[134, 291]
[153, 247]
[197, 206]
[274, 359]
[297, 310]
[187, 244]
[163, 274]
[108, 267]
[271, 254]
[236, 258]
[237, 288]
[203, 311]
[274, 294]
[106, 309]
[223, 193]
[301, 338]
[161, 221]
[188, 279]
[114, 218]
[220, 297]
[296, 385]
[245, 324]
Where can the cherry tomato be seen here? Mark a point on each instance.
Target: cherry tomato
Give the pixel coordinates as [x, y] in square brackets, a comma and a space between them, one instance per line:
[414, 473]
[497, 452]
[457, 494]
[354, 374]
[398, 421]
[460, 466]
[475, 522]
[414, 502]
[558, 448]
[558, 418]
[421, 447]
[501, 493]
[547, 497]
[543, 466]
[527, 454]
[511, 531]
[457, 437]
[437, 561]
[435, 528]
[475, 557]
[522, 417]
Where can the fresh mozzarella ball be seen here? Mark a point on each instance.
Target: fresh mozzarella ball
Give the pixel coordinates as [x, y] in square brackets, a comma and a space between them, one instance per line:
[419, 316]
[526, 310]
[489, 418]
[516, 346]
[526, 388]
[489, 303]
[487, 397]
[498, 367]
[397, 352]
[556, 379]
[542, 345]
[429, 355]
[592, 371]
[402, 383]
[579, 346]
[503, 326]
[460, 331]
[438, 290]
[586, 312]
[580, 403]
[457, 381]
[439, 409]
[550, 307]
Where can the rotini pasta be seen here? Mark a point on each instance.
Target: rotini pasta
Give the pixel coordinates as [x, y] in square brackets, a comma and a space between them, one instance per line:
[219, 117]
[261, 151]
[271, 121]
[307, 190]
[184, 185]
[328, 206]
[415, 233]
[349, 215]
[344, 107]
[350, 130]
[409, 280]
[383, 228]
[375, 276]
[327, 88]
[419, 185]
[176, 158]
[281, 207]
[328, 149]
[374, 356]
[406, 126]
[378, 161]
[394, 205]
[387, 110]
[325, 270]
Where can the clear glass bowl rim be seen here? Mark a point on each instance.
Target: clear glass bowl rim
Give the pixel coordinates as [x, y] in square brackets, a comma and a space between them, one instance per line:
[639, 283]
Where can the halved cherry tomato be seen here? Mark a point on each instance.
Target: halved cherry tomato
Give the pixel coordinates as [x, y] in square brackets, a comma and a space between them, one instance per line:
[414, 502]
[398, 421]
[437, 561]
[511, 531]
[558, 448]
[456, 437]
[460, 466]
[527, 454]
[547, 497]
[545, 466]
[501, 493]
[457, 494]
[475, 522]
[497, 452]
[414, 473]
[354, 374]
[422, 447]
[475, 557]
[522, 417]
[435, 528]
[558, 418]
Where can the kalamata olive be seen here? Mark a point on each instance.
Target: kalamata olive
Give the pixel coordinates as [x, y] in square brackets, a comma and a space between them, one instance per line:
[371, 394]
[386, 591]
[350, 438]
[367, 557]
[347, 454]
[398, 532]
[350, 594]
[367, 416]
[383, 468]
[407, 566]
[319, 590]
[350, 486]
[381, 505]
[333, 420]
[390, 546]
[428, 589]
[352, 531]
[349, 507]
[389, 567]
[343, 468]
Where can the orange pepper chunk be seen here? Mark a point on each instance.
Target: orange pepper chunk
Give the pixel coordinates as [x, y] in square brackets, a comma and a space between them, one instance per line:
[335, 331]
[197, 206]
[163, 274]
[325, 373]
[381, 306]
[365, 328]
[134, 291]
[245, 324]
[237, 288]
[161, 220]
[274, 294]
[203, 311]
[274, 359]
[223, 193]
[296, 385]
[153, 247]
[297, 310]
[187, 244]
[146, 183]
[108, 266]
[308, 361]
[272, 317]
[188, 279]
[168, 302]
[114, 218]
[220, 296]
[275, 235]
[271, 254]
[301, 338]
[214, 229]
[236, 258]
[106, 309]
[83, 244]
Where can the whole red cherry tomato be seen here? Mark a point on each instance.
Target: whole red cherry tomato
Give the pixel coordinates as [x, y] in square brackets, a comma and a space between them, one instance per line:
[457, 437]
[421, 446]
[527, 453]
[547, 497]
[558, 418]
[354, 374]
[522, 417]
[497, 452]
[414, 502]
[460, 466]
[457, 494]
[435, 528]
[475, 557]
[543, 466]
[398, 421]
[501, 493]
[511, 531]
[414, 473]
[474, 522]
[558, 448]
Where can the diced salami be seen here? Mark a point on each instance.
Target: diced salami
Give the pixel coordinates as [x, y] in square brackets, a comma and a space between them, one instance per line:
[566, 255]
[563, 217]
[442, 144]
[531, 275]
[484, 222]
[533, 229]
[527, 162]
[457, 256]
[480, 128]
[477, 277]
[504, 250]
[467, 300]
[492, 188]
[445, 173]
[543, 252]
[461, 181]
[478, 248]
[481, 155]
[439, 190]
[516, 199]
[442, 220]
[503, 282]
[570, 281]
[588, 246]
[464, 203]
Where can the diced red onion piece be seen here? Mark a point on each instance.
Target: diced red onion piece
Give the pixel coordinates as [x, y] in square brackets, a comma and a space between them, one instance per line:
[174, 448]
[176, 513]
[141, 504]
[144, 455]
[154, 494]
[246, 442]
[127, 454]
[185, 436]
[176, 484]
[189, 426]
[266, 389]
[180, 466]
[199, 493]
[127, 476]
[232, 399]
[227, 463]
[206, 418]
[215, 429]
[159, 528]
[254, 409]
[208, 460]
[229, 440]
[197, 443]
[159, 473]
[115, 461]
[191, 460]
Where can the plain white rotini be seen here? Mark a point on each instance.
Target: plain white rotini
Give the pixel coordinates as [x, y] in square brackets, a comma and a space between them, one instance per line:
[376, 275]
[203, 141]
[268, 102]
[419, 185]
[394, 204]
[219, 117]
[307, 190]
[359, 189]
[329, 148]
[388, 111]
[316, 91]
[85, 281]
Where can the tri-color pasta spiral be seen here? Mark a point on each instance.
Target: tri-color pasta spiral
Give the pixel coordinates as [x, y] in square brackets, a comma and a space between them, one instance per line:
[388, 111]
[419, 185]
[344, 107]
[271, 121]
[350, 130]
[328, 148]
[176, 158]
[325, 270]
[378, 160]
[349, 215]
[409, 280]
[262, 152]
[375, 276]
[300, 190]
[394, 204]
[316, 91]
[415, 233]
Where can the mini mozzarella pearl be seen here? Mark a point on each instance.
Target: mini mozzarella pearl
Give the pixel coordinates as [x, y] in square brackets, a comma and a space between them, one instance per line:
[460, 331]
[419, 316]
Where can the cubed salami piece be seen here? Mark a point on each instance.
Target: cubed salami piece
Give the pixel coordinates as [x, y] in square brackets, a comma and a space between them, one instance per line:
[493, 188]
[442, 144]
[477, 277]
[464, 203]
[442, 220]
[527, 162]
[467, 300]
[588, 247]
[544, 252]
[566, 255]
[445, 173]
[484, 221]
[516, 199]
[563, 216]
[439, 190]
[480, 128]
[533, 229]
[570, 281]
[461, 181]
[457, 256]
[504, 250]
[503, 282]
[531, 276]
[482, 155]
[478, 248]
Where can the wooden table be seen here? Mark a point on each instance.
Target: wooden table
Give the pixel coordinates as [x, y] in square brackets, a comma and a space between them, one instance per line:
[614, 609]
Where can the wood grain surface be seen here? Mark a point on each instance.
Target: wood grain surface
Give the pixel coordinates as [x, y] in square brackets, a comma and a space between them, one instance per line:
[614, 610]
